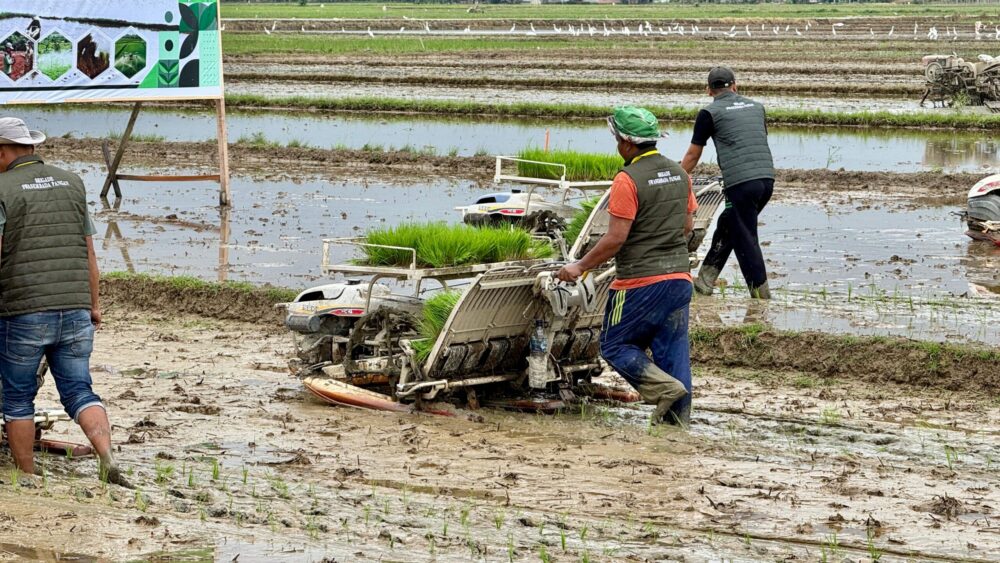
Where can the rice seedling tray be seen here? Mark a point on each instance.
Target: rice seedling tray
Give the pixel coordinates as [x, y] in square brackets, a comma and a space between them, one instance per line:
[414, 272]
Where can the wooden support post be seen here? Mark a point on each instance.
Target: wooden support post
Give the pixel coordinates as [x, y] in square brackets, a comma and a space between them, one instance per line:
[224, 193]
[112, 178]
[224, 219]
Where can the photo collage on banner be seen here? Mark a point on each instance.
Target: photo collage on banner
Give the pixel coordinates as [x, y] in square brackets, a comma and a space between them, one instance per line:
[94, 50]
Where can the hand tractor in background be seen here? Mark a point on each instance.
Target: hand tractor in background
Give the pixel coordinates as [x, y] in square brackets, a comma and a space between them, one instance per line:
[952, 80]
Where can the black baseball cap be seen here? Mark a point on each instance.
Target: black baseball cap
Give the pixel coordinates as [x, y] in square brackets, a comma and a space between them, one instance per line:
[721, 77]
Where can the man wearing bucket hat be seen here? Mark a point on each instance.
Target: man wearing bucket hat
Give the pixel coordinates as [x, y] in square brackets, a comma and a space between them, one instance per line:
[737, 125]
[48, 295]
[650, 209]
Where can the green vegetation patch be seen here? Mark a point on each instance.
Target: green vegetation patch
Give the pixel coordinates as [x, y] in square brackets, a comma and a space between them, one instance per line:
[439, 245]
[867, 119]
[578, 221]
[579, 166]
[436, 311]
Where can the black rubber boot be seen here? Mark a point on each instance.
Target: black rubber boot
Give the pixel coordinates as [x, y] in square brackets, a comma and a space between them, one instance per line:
[762, 291]
[704, 284]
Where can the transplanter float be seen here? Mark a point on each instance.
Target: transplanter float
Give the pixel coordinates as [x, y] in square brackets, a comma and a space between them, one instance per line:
[362, 345]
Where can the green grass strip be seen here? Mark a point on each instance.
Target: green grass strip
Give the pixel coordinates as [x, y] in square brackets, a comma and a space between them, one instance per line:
[579, 166]
[439, 245]
[950, 119]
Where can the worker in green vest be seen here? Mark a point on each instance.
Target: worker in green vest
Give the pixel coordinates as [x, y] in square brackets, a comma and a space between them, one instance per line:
[48, 296]
[651, 214]
[737, 125]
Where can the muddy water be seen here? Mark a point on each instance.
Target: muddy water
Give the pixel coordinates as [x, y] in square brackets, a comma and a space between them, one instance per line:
[881, 270]
[851, 149]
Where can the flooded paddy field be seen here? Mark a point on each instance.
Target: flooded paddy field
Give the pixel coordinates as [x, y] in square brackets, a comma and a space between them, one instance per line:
[896, 150]
[885, 264]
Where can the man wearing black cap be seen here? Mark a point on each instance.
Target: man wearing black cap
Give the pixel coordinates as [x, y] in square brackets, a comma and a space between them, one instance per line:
[737, 126]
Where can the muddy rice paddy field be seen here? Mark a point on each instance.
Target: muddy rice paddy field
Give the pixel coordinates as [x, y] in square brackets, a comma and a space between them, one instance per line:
[856, 417]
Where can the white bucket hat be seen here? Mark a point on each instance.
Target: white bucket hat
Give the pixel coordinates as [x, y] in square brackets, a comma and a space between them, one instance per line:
[13, 131]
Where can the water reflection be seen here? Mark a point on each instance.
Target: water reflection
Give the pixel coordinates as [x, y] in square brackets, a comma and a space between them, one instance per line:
[961, 153]
[113, 232]
[900, 150]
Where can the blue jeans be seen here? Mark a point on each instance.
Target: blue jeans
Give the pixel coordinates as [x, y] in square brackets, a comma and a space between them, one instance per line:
[66, 339]
[654, 317]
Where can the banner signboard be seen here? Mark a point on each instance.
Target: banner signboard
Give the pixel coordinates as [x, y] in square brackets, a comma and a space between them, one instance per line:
[57, 51]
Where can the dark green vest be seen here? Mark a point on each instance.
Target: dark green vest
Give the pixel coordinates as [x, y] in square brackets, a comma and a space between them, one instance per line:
[740, 139]
[43, 265]
[656, 244]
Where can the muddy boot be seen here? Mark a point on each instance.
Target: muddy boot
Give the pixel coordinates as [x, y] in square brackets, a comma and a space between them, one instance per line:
[761, 292]
[705, 282]
[660, 389]
[681, 419]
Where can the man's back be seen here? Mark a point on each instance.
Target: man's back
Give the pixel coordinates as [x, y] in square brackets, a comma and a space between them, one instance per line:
[656, 244]
[740, 135]
[43, 216]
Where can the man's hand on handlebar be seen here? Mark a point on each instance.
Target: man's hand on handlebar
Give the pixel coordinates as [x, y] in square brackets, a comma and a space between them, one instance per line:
[570, 272]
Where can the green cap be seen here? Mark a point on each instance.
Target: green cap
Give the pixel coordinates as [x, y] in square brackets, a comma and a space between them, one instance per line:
[636, 125]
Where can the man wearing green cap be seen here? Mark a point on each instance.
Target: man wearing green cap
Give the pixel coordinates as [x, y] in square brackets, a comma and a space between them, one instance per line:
[651, 207]
[737, 125]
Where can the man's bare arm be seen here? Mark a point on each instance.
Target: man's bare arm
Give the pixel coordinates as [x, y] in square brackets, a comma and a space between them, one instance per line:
[692, 157]
[688, 225]
[95, 283]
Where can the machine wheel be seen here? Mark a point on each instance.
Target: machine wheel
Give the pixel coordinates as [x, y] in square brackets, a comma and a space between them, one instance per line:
[317, 348]
[376, 335]
[934, 71]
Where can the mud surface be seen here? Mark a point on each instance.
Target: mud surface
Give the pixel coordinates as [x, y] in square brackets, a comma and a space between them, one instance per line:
[231, 459]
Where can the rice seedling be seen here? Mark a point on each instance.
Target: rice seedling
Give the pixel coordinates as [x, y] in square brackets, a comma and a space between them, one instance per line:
[439, 245]
[579, 166]
[829, 417]
[138, 137]
[576, 224]
[163, 473]
[436, 311]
